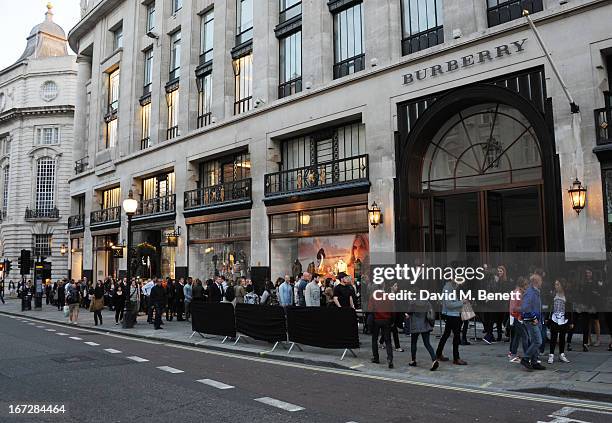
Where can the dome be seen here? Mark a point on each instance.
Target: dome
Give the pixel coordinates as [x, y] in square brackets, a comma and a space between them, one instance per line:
[47, 39]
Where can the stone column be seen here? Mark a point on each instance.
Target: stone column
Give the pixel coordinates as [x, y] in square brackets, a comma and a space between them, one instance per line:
[88, 246]
[317, 36]
[80, 113]
[180, 182]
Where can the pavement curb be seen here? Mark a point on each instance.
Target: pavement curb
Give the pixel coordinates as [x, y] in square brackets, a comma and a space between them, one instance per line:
[219, 348]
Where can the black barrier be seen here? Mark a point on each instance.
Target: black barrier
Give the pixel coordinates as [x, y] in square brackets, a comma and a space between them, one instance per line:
[325, 327]
[266, 323]
[213, 318]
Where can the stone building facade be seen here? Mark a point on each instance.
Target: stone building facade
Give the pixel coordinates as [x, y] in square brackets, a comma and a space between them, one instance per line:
[37, 97]
[266, 129]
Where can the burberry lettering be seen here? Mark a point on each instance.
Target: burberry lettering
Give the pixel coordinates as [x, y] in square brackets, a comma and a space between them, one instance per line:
[482, 56]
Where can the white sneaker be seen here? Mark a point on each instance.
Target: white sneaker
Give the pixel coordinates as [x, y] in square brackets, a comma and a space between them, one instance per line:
[563, 358]
[551, 358]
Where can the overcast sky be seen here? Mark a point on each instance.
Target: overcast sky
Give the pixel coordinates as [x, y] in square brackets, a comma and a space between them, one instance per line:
[19, 16]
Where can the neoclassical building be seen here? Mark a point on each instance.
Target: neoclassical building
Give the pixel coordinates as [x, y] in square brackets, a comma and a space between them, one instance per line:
[265, 129]
[37, 96]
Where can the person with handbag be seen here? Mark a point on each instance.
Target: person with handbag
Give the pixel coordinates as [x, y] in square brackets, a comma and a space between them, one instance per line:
[97, 303]
[451, 313]
[422, 321]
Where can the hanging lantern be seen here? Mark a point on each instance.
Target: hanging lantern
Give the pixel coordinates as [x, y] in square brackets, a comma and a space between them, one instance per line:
[304, 219]
[578, 196]
[375, 215]
[63, 249]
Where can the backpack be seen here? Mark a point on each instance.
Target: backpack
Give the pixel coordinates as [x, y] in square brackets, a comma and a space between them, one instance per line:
[73, 296]
[230, 294]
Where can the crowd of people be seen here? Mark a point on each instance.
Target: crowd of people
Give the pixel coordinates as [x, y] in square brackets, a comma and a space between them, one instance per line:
[545, 311]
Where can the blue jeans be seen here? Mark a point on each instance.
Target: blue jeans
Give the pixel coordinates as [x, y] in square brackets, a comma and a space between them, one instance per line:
[535, 341]
[518, 334]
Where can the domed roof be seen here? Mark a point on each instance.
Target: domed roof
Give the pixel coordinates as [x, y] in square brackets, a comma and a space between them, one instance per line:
[47, 39]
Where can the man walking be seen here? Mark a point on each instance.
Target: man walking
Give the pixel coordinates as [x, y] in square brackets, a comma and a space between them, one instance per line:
[312, 294]
[531, 310]
[158, 300]
[301, 287]
[285, 292]
[146, 291]
[451, 312]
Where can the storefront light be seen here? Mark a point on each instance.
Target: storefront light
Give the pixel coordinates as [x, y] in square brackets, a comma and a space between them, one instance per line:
[172, 237]
[130, 204]
[63, 249]
[209, 250]
[375, 215]
[304, 219]
[578, 195]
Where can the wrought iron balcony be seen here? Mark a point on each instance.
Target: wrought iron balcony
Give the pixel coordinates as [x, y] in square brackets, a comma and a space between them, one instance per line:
[219, 195]
[349, 66]
[156, 206]
[322, 176]
[76, 222]
[204, 119]
[603, 120]
[423, 40]
[81, 165]
[41, 214]
[107, 216]
[290, 87]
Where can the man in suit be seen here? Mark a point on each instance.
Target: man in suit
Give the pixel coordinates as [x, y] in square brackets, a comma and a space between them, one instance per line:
[215, 291]
[179, 299]
[158, 301]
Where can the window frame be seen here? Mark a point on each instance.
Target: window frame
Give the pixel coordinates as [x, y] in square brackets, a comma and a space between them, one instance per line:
[118, 37]
[148, 71]
[175, 55]
[172, 100]
[344, 66]
[422, 38]
[243, 82]
[6, 179]
[41, 245]
[41, 135]
[204, 99]
[145, 126]
[290, 86]
[207, 20]
[46, 173]
[176, 6]
[243, 34]
[513, 8]
[150, 23]
[289, 9]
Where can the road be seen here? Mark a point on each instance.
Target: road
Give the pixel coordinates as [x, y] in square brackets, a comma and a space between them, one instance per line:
[100, 377]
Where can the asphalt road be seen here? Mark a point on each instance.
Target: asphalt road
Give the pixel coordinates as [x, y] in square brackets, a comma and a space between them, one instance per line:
[119, 379]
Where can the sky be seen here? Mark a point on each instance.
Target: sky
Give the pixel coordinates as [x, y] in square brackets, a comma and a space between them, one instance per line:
[18, 18]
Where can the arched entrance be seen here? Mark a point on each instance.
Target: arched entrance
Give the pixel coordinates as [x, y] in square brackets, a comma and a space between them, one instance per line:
[477, 174]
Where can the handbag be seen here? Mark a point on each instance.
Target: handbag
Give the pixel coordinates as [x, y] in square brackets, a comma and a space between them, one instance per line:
[66, 311]
[431, 316]
[467, 312]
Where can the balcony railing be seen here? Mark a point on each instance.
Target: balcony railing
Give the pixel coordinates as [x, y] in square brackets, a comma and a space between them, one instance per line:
[505, 11]
[423, 40]
[349, 66]
[105, 216]
[156, 206]
[81, 165]
[76, 221]
[243, 105]
[204, 120]
[172, 132]
[218, 195]
[41, 214]
[603, 119]
[145, 143]
[320, 176]
[290, 87]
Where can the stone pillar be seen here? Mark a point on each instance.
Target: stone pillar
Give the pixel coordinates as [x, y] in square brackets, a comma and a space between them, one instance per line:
[260, 165]
[180, 178]
[317, 36]
[265, 51]
[88, 247]
[80, 113]
[382, 42]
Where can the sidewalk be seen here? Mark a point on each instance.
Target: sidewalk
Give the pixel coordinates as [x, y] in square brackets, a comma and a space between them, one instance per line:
[588, 376]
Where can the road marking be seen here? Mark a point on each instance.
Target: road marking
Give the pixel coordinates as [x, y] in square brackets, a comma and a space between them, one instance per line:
[215, 384]
[279, 404]
[31, 324]
[50, 330]
[62, 334]
[93, 344]
[40, 327]
[76, 338]
[112, 351]
[356, 367]
[170, 369]
[137, 359]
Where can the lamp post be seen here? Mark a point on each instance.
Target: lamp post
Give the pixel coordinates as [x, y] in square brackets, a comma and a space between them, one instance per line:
[129, 206]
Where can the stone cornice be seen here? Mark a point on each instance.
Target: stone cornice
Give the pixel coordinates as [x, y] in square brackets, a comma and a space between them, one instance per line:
[90, 20]
[20, 112]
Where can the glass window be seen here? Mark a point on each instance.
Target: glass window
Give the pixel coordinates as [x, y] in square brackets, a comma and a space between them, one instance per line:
[176, 5]
[244, 21]
[111, 197]
[175, 55]
[42, 244]
[6, 174]
[421, 25]
[45, 184]
[240, 227]
[111, 133]
[349, 54]
[204, 100]
[290, 65]
[207, 36]
[118, 38]
[150, 16]
[229, 259]
[145, 126]
[284, 223]
[113, 90]
[173, 104]
[502, 11]
[5, 144]
[148, 71]
[218, 229]
[289, 9]
[46, 136]
[243, 80]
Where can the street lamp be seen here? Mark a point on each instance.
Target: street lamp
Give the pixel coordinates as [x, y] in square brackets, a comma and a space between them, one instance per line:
[129, 206]
[577, 194]
[63, 249]
[375, 215]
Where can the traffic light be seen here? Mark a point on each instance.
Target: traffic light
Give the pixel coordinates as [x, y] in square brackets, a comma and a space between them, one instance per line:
[25, 262]
[7, 266]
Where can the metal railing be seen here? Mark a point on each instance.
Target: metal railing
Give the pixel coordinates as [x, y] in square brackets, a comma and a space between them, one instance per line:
[290, 87]
[172, 132]
[81, 165]
[104, 216]
[145, 143]
[243, 105]
[204, 120]
[41, 214]
[76, 221]
[220, 194]
[157, 205]
[333, 173]
[349, 66]
[510, 10]
[423, 40]
[603, 119]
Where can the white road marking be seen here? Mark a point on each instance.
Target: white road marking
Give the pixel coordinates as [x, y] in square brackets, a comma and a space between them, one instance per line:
[356, 367]
[50, 330]
[40, 327]
[215, 384]
[93, 344]
[62, 334]
[170, 369]
[112, 351]
[279, 404]
[137, 359]
[76, 338]
[31, 324]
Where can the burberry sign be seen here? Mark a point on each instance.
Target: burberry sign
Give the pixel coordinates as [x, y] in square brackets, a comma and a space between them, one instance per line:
[482, 56]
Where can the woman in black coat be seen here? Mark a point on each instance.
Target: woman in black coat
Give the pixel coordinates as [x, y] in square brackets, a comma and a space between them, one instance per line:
[119, 301]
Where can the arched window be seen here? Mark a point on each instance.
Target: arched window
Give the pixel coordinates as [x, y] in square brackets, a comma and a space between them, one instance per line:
[45, 184]
[485, 145]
